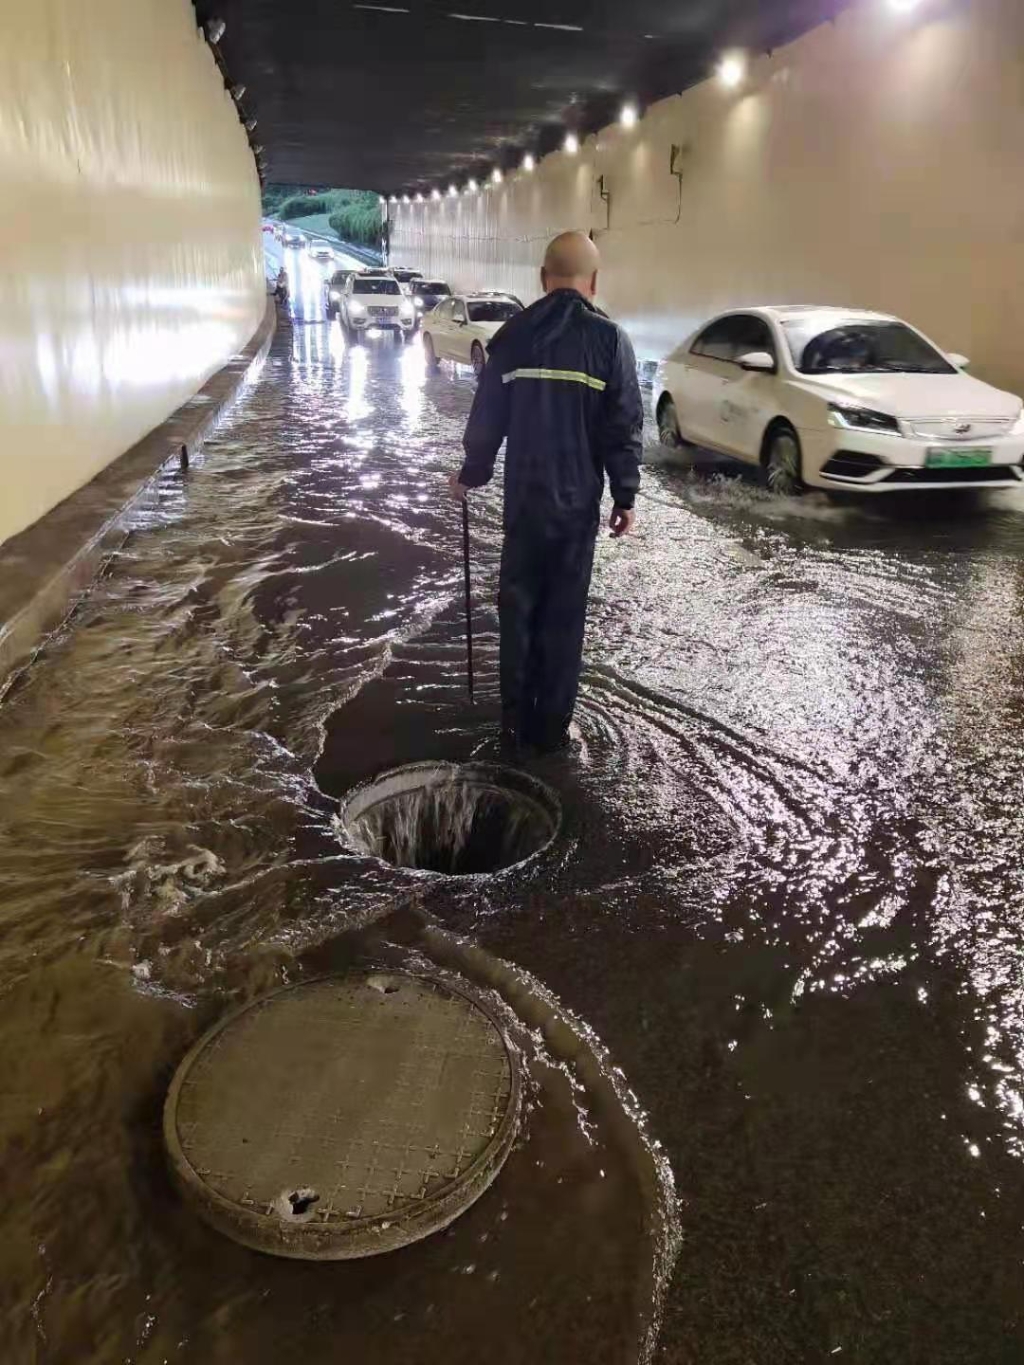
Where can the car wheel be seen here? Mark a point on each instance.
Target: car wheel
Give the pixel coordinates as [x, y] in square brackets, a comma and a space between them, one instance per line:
[478, 358]
[668, 425]
[783, 461]
[428, 349]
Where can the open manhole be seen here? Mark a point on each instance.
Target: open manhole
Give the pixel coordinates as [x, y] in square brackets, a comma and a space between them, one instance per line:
[456, 818]
[344, 1117]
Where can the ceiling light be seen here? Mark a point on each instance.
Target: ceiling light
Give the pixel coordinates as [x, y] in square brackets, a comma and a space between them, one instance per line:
[903, 6]
[394, 199]
[406, 199]
[472, 187]
[452, 191]
[732, 69]
[571, 144]
[215, 30]
[383, 200]
[237, 91]
[435, 193]
[419, 198]
[496, 176]
[528, 162]
[629, 116]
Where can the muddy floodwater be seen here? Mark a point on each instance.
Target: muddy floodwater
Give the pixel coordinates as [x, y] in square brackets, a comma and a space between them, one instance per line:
[783, 915]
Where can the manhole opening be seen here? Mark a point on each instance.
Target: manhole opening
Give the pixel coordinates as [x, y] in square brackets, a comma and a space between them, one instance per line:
[458, 819]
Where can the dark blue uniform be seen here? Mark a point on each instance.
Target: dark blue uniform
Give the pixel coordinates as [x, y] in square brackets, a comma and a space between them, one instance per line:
[560, 386]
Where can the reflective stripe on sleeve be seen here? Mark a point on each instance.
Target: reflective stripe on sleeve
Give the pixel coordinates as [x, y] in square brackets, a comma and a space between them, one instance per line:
[567, 376]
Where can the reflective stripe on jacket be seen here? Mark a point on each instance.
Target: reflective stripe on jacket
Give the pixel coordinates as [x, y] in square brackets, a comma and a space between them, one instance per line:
[560, 386]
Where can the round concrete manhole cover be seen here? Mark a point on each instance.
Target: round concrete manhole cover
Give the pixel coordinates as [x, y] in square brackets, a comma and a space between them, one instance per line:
[345, 1116]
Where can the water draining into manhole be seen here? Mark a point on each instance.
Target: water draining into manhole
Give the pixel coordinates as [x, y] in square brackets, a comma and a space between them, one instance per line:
[459, 819]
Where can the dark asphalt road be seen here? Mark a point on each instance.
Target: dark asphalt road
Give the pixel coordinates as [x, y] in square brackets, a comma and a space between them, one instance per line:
[787, 898]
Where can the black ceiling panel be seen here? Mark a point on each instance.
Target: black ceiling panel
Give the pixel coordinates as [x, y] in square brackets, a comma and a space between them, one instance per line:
[407, 94]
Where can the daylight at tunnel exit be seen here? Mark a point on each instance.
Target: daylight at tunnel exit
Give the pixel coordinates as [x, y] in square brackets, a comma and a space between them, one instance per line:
[512, 683]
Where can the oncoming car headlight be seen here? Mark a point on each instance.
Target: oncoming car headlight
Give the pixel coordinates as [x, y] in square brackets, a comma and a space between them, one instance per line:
[406, 310]
[853, 418]
[334, 296]
[356, 308]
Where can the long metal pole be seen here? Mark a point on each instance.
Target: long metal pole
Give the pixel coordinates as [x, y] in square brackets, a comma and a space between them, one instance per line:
[469, 606]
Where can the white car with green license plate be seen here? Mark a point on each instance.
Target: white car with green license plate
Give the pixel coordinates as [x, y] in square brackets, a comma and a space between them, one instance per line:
[838, 398]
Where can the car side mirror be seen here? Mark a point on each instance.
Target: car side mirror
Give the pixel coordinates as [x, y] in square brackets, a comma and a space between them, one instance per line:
[960, 361]
[759, 361]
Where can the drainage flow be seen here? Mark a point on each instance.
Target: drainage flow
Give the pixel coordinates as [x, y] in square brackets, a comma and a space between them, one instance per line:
[458, 819]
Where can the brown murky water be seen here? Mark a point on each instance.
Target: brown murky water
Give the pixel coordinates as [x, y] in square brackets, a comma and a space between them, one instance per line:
[788, 898]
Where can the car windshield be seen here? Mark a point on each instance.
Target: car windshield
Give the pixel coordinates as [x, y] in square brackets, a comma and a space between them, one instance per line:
[861, 347]
[435, 288]
[376, 287]
[494, 310]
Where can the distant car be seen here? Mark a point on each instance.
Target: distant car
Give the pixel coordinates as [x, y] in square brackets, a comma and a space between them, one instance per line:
[321, 251]
[838, 398]
[291, 238]
[427, 294]
[376, 300]
[405, 276]
[461, 328]
[334, 287]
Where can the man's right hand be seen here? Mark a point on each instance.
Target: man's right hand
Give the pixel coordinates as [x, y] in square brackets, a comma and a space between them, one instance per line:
[456, 489]
[621, 521]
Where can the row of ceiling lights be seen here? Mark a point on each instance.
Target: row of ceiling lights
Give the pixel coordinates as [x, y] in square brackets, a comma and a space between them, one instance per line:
[731, 71]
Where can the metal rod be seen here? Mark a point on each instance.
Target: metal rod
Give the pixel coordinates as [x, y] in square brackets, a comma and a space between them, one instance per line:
[469, 607]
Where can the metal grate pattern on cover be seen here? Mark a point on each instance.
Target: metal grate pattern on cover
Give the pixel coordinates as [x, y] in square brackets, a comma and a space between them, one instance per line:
[335, 1117]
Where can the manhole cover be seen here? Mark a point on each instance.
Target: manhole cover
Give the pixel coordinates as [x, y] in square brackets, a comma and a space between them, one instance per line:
[460, 819]
[345, 1116]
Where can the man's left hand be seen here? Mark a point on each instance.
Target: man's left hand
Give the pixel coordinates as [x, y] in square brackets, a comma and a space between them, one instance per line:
[456, 489]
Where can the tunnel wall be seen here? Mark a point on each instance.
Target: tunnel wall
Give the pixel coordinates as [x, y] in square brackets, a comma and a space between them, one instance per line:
[876, 162]
[130, 235]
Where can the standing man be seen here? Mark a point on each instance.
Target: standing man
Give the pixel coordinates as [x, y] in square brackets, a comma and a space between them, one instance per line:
[560, 384]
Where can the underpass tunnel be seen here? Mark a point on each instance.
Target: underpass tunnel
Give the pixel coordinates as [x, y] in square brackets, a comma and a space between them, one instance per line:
[753, 941]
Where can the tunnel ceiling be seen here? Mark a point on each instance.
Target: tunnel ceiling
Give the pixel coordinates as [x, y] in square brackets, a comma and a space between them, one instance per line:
[407, 94]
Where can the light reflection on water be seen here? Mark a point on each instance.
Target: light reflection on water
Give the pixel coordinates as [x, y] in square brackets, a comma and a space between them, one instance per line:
[788, 897]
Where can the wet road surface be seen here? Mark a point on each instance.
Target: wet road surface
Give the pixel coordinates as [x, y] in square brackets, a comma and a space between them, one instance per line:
[787, 899]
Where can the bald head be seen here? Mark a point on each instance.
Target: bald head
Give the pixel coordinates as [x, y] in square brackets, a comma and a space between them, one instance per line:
[571, 262]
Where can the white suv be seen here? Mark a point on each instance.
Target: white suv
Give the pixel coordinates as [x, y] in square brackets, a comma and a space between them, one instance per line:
[377, 300]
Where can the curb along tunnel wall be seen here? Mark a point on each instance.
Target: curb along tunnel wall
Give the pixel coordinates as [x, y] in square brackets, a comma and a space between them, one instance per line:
[130, 235]
[845, 170]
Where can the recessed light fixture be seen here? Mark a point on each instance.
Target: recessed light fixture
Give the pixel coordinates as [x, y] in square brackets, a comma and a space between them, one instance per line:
[732, 69]
[628, 116]
[528, 162]
[472, 186]
[394, 199]
[435, 193]
[419, 198]
[452, 191]
[571, 144]
[496, 176]
[406, 199]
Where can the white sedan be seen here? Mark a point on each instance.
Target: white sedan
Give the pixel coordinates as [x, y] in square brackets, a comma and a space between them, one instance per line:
[461, 328]
[838, 398]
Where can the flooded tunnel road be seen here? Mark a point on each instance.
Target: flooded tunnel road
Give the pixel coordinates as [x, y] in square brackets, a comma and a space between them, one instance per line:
[787, 897]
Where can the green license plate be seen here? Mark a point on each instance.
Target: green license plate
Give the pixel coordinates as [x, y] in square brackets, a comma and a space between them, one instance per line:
[960, 458]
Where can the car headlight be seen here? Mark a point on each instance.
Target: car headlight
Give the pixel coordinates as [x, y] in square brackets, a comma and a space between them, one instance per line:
[418, 301]
[406, 310]
[862, 419]
[334, 296]
[356, 308]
